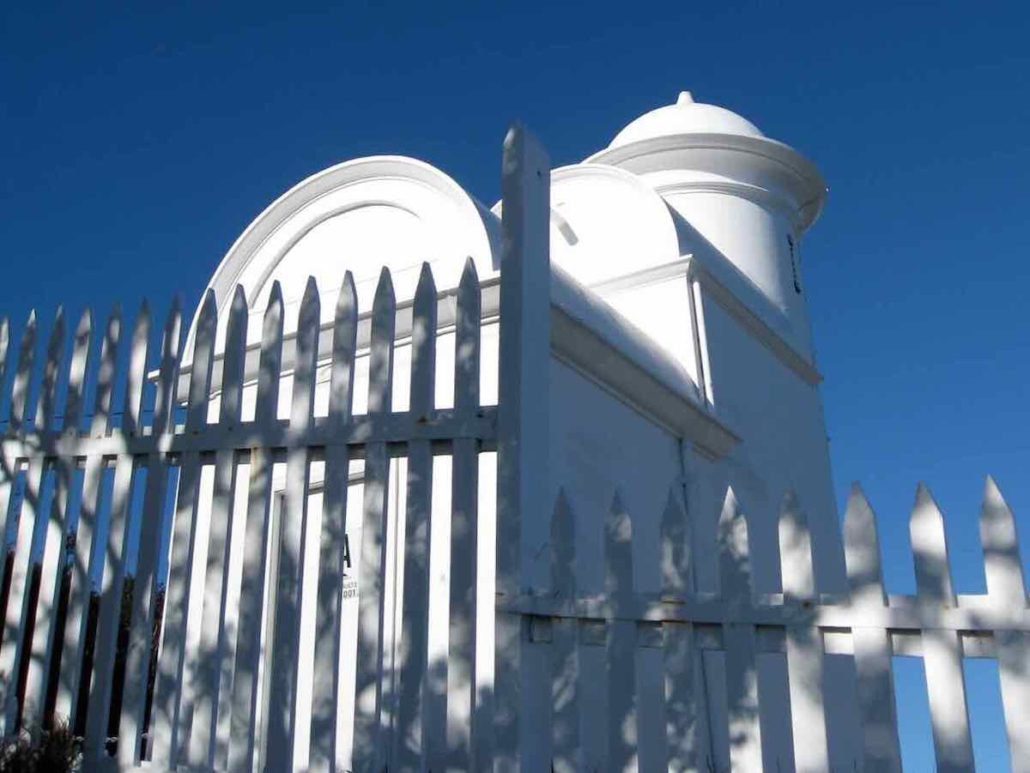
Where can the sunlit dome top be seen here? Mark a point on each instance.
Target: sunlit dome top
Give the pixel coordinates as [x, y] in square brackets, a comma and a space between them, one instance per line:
[685, 117]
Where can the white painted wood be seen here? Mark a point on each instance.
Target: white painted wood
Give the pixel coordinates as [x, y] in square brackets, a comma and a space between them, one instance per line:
[1012, 653]
[1003, 566]
[622, 640]
[942, 652]
[872, 646]
[52, 560]
[71, 665]
[113, 570]
[328, 701]
[804, 643]
[930, 550]
[862, 551]
[212, 676]
[949, 711]
[371, 740]
[745, 737]
[522, 431]
[22, 375]
[686, 705]
[5, 345]
[286, 749]
[565, 700]
[418, 740]
[465, 720]
[246, 712]
[31, 654]
[151, 534]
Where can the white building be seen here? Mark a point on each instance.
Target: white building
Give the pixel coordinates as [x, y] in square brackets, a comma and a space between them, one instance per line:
[680, 245]
[681, 359]
[528, 520]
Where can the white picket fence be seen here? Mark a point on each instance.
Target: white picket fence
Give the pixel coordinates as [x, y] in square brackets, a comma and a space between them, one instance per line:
[111, 522]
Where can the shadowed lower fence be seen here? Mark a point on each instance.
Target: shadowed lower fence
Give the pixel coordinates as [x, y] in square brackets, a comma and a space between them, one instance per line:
[178, 554]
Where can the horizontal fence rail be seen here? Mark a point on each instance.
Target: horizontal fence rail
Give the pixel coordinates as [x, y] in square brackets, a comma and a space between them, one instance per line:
[683, 623]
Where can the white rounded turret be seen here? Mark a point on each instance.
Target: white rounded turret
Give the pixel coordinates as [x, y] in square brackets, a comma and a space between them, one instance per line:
[741, 200]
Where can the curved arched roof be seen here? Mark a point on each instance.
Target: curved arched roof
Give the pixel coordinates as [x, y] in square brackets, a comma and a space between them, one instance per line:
[359, 216]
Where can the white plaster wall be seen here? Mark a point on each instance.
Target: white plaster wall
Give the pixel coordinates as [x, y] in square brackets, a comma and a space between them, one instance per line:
[780, 418]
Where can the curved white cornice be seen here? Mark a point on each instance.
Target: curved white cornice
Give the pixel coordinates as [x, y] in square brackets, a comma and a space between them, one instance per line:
[450, 224]
[757, 162]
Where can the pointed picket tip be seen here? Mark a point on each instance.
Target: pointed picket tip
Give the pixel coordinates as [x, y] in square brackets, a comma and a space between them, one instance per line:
[347, 300]
[862, 548]
[384, 287]
[674, 548]
[618, 548]
[796, 568]
[239, 300]
[930, 548]
[992, 494]
[734, 549]
[563, 547]
[469, 274]
[275, 295]
[310, 290]
[925, 511]
[85, 326]
[426, 282]
[310, 311]
[208, 304]
[1003, 564]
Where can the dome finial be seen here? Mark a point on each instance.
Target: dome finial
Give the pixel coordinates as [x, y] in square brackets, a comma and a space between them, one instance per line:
[685, 98]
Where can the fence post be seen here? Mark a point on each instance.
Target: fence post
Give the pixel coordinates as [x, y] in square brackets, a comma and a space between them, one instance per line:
[522, 424]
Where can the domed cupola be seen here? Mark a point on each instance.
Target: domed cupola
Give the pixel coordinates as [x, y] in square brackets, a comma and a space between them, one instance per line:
[685, 117]
[743, 200]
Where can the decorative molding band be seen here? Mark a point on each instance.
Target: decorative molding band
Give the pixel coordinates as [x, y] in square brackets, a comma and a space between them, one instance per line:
[755, 325]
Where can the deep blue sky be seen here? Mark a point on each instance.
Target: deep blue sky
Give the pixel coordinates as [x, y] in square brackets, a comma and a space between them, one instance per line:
[136, 144]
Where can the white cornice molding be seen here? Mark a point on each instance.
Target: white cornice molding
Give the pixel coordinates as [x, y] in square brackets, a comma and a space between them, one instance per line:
[759, 329]
[689, 267]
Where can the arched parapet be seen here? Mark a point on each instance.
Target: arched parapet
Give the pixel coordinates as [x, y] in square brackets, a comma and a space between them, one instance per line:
[607, 224]
[359, 216]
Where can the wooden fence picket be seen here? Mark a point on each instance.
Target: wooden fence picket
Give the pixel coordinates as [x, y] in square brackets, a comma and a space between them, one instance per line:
[1006, 586]
[247, 716]
[17, 648]
[60, 530]
[417, 735]
[98, 718]
[48, 535]
[872, 645]
[739, 640]
[327, 705]
[370, 732]
[466, 725]
[622, 639]
[151, 537]
[87, 563]
[212, 674]
[804, 642]
[686, 705]
[942, 650]
[284, 750]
